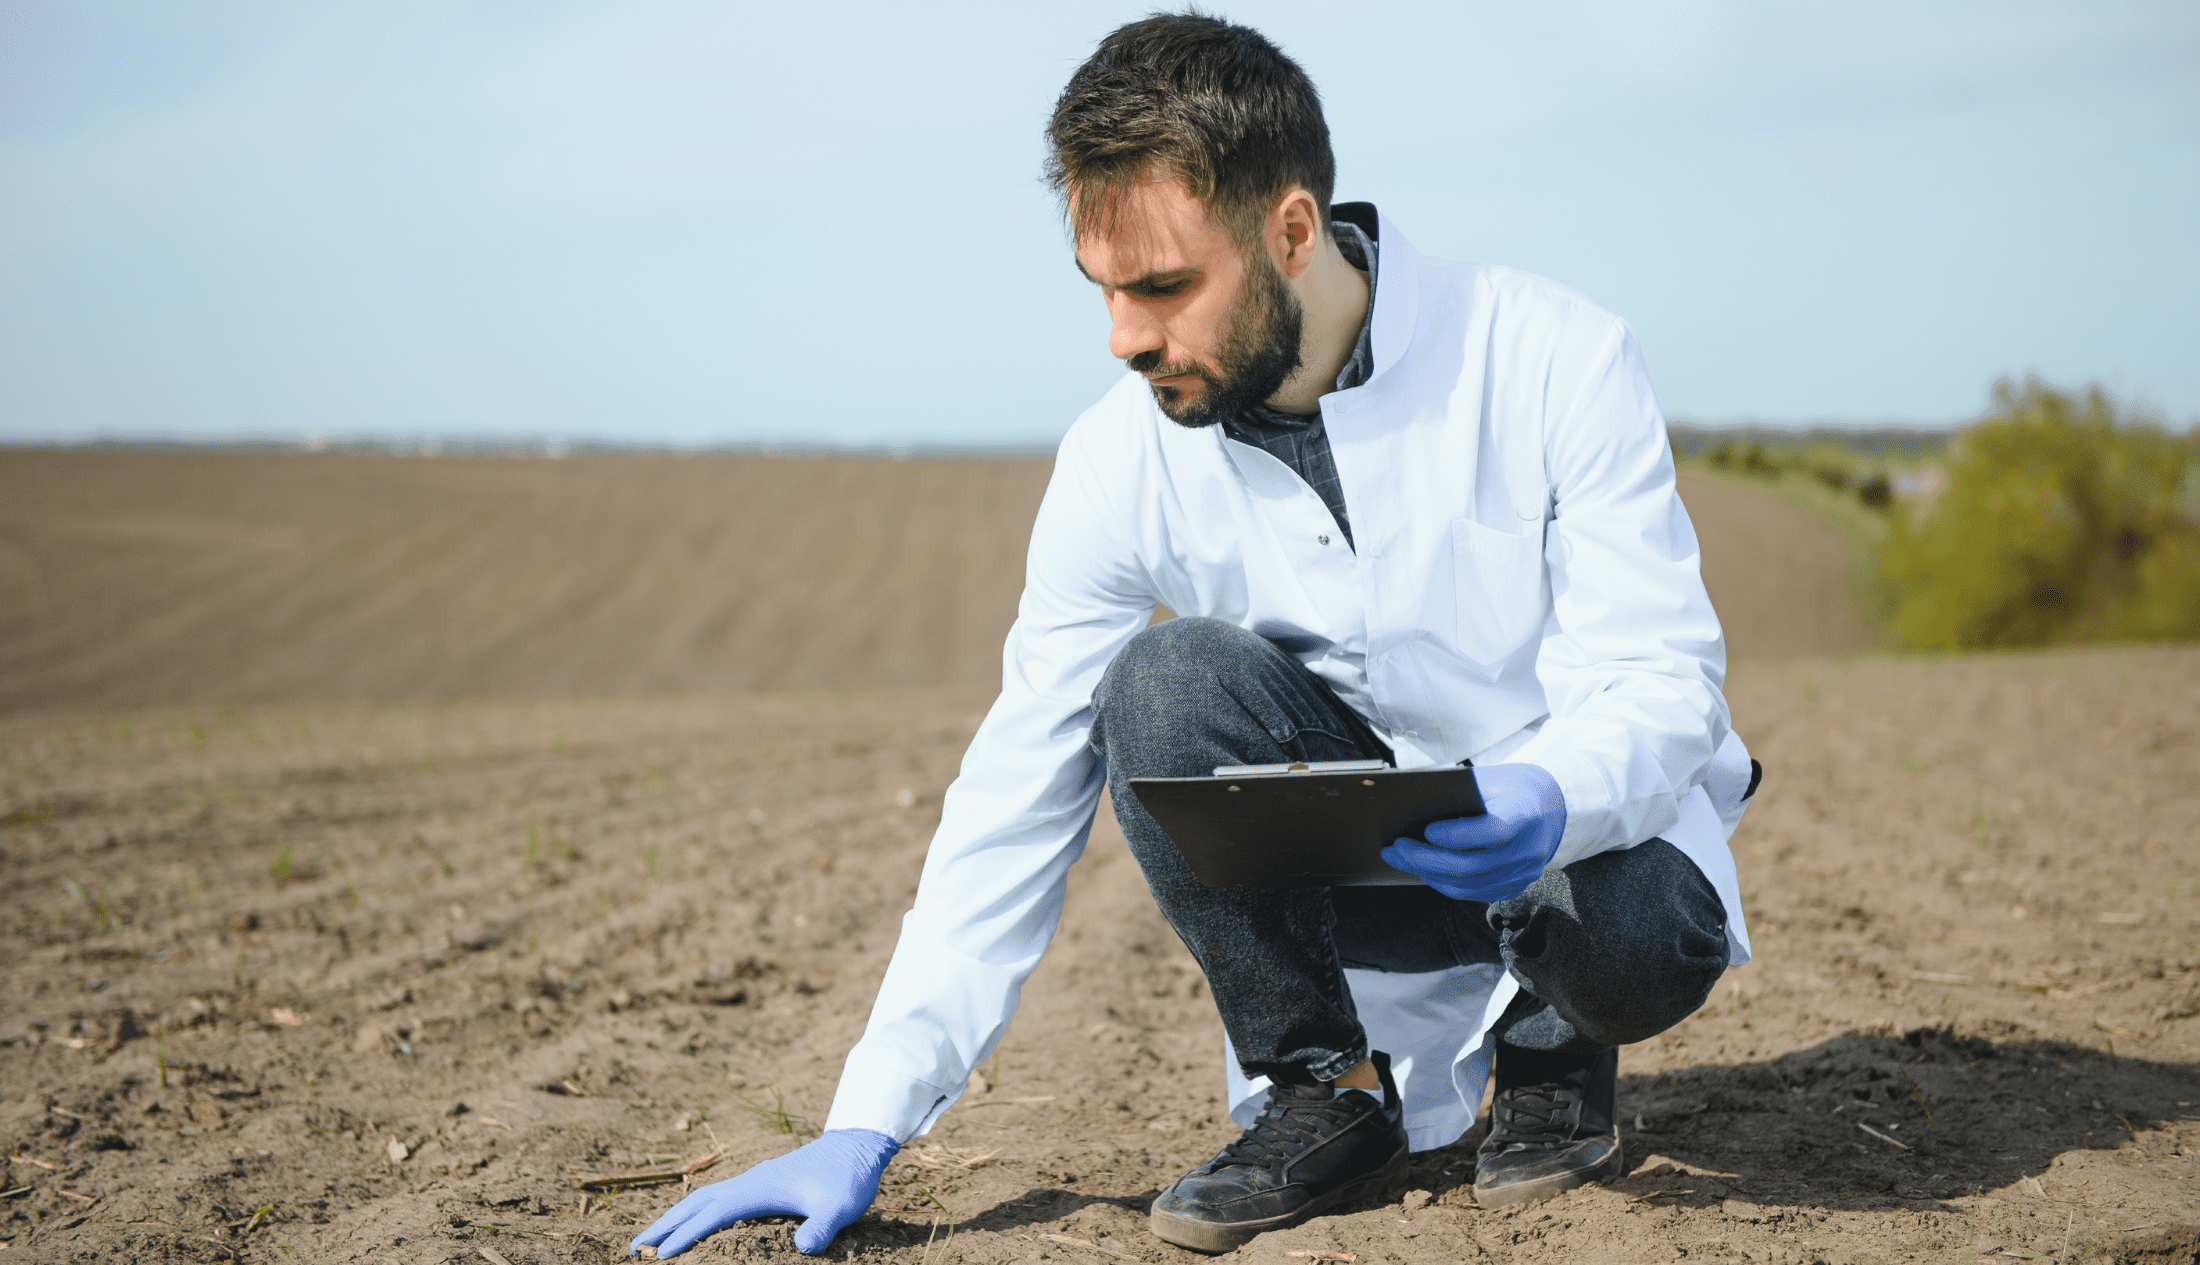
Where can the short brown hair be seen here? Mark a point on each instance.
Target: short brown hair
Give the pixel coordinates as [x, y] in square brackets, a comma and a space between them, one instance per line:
[1214, 103]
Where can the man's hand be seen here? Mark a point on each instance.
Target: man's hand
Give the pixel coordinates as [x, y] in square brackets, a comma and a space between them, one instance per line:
[1495, 856]
[830, 1181]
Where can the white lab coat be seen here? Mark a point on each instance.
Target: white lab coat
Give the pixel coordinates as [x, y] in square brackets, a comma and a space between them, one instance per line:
[1525, 587]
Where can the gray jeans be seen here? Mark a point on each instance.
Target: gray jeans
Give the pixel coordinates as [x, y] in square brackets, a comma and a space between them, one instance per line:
[1609, 950]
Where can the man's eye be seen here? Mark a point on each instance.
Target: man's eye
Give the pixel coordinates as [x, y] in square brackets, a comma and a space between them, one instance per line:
[1167, 290]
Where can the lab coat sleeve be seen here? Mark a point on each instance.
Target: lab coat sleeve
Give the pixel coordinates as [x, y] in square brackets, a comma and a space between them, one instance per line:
[1633, 662]
[1014, 820]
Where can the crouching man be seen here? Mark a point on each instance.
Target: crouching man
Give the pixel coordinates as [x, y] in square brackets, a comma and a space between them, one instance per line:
[1407, 509]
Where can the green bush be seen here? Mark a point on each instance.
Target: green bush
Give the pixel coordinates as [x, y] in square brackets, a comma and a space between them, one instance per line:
[2060, 520]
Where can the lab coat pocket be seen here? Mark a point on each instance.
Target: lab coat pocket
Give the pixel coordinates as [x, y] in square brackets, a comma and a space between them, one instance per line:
[1500, 590]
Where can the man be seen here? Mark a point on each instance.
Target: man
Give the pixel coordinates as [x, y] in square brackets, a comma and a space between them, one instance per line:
[1405, 509]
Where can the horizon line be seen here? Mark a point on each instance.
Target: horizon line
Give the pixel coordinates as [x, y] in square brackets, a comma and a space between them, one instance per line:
[556, 445]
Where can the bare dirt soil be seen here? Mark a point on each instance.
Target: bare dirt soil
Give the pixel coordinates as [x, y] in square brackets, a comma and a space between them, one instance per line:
[231, 578]
[289, 979]
[138, 579]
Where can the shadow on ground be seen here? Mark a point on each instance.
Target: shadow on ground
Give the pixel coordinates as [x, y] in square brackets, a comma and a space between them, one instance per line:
[1926, 1115]
[1862, 1122]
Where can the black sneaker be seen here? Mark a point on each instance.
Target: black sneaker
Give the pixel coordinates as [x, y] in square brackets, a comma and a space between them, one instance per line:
[1308, 1153]
[1550, 1127]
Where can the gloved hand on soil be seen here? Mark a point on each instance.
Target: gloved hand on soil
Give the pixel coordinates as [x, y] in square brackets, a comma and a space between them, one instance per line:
[830, 1181]
[1495, 856]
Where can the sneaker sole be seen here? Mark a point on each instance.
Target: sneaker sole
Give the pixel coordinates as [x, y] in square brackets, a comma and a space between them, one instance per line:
[1534, 1190]
[1216, 1236]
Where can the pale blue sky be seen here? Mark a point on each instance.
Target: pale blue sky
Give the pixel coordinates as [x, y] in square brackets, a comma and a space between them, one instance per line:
[712, 223]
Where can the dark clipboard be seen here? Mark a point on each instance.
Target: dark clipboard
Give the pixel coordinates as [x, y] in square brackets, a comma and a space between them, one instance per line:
[1323, 827]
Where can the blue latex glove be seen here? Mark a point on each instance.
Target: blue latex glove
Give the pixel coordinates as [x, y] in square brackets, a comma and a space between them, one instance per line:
[1495, 856]
[830, 1181]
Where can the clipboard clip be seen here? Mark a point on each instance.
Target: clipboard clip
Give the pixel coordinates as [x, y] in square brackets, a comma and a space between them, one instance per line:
[1301, 766]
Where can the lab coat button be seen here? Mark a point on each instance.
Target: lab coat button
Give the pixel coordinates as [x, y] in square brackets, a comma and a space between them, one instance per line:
[1322, 539]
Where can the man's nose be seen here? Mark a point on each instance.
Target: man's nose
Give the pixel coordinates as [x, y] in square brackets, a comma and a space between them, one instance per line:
[1131, 330]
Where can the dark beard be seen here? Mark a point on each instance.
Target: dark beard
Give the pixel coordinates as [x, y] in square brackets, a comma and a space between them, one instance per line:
[1259, 351]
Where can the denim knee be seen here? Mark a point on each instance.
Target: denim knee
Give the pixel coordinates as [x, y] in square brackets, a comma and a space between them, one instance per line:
[1636, 1010]
[1623, 944]
[1172, 674]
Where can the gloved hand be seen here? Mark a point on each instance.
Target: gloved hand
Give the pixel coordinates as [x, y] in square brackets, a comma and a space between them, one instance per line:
[830, 1181]
[1495, 856]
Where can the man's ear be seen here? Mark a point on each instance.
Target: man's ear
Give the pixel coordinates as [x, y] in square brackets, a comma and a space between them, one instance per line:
[1293, 231]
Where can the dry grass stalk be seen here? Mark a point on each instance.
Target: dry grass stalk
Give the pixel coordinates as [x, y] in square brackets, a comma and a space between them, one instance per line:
[1918, 1097]
[647, 1177]
[493, 1256]
[2072, 994]
[933, 1155]
[928, 1258]
[1881, 1136]
[1653, 1194]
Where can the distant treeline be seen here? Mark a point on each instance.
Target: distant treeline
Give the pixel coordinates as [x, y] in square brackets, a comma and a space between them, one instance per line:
[2058, 517]
[1871, 441]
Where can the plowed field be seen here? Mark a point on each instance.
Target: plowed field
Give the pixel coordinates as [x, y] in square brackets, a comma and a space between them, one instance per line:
[389, 846]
